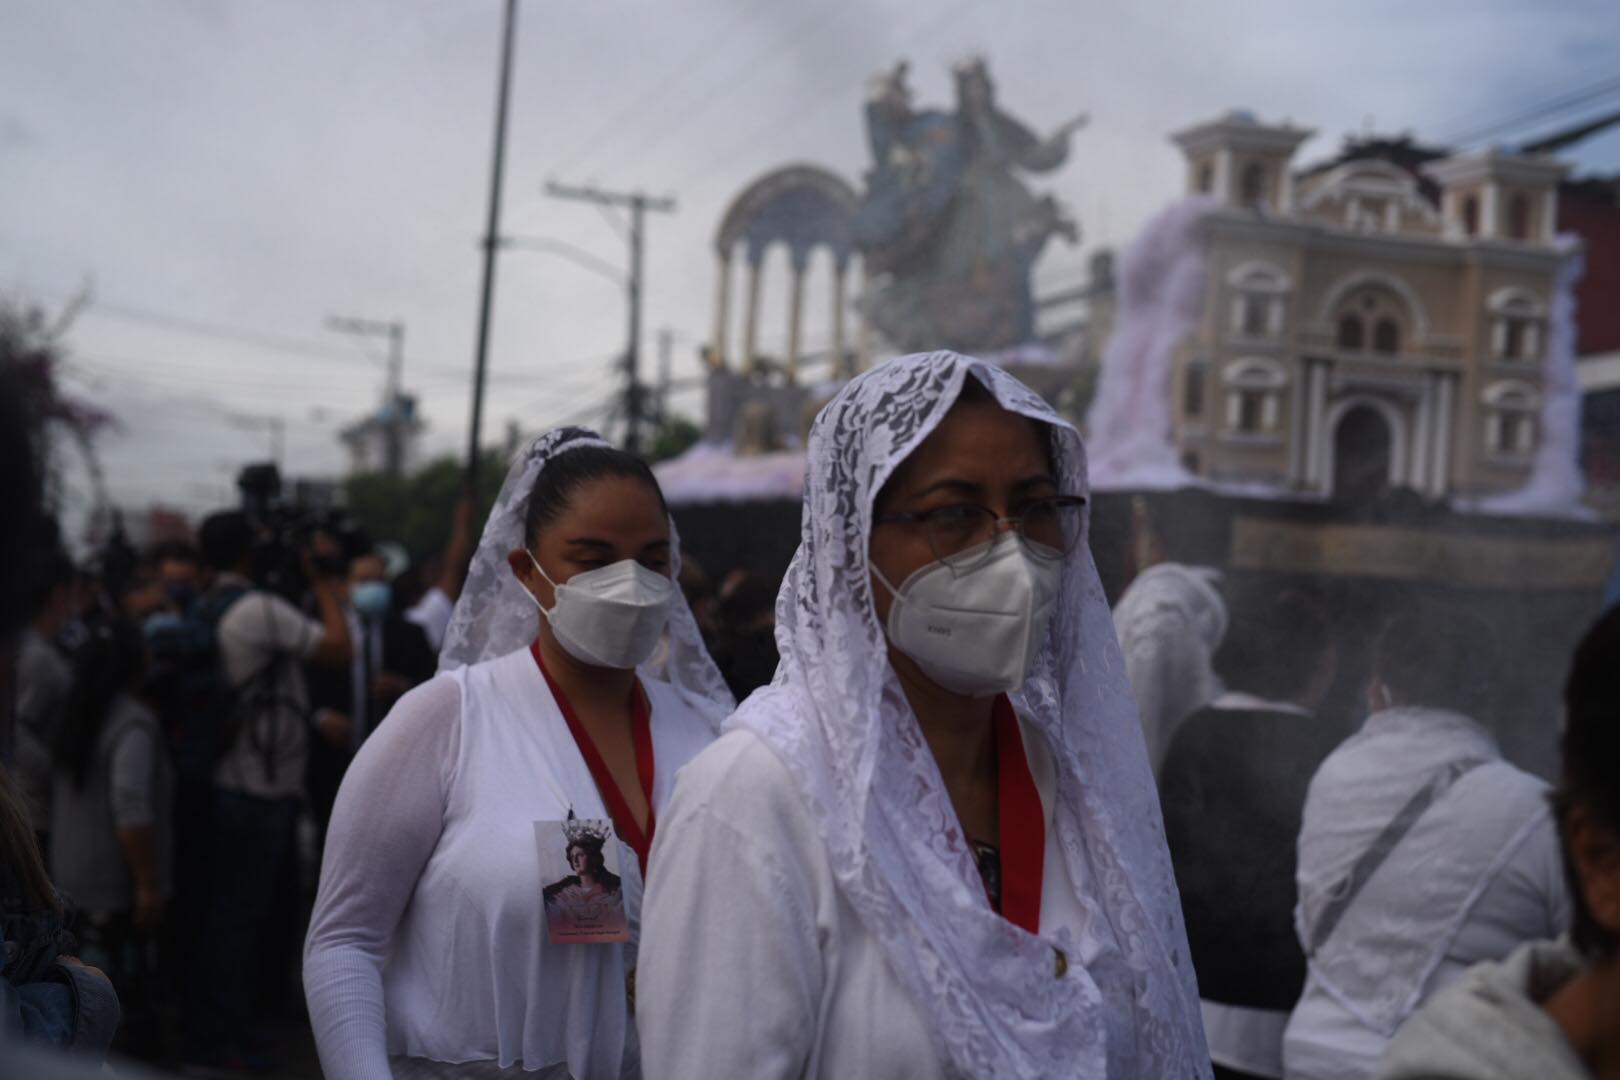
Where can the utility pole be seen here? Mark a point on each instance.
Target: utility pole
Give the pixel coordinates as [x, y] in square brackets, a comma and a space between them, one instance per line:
[666, 360]
[491, 242]
[638, 205]
[393, 391]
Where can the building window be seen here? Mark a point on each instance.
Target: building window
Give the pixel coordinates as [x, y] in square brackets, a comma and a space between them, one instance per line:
[1387, 337]
[1510, 419]
[1193, 391]
[1254, 314]
[1206, 178]
[1470, 216]
[1254, 184]
[1372, 317]
[1518, 322]
[1259, 297]
[1254, 396]
[1350, 338]
[1519, 217]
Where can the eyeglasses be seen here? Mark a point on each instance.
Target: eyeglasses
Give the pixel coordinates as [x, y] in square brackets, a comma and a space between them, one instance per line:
[959, 535]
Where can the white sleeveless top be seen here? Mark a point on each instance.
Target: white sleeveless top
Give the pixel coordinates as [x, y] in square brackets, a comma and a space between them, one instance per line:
[429, 938]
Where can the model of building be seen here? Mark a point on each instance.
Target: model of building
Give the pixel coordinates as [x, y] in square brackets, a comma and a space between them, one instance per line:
[1367, 324]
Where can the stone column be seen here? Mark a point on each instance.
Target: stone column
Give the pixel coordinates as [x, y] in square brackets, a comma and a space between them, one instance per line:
[751, 315]
[1445, 418]
[1299, 428]
[1490, 211]
[1549, 214]
[795, 319]
[1422, 436]
[722, 303]
[1225, 182]
[1315, 433]
[841, 365]
[863, 329]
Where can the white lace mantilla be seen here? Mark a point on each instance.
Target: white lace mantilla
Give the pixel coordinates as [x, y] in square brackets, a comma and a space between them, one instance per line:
[494, 617]
[836, 717]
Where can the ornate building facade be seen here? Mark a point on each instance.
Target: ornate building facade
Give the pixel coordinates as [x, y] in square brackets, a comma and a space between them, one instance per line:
[1368, 324]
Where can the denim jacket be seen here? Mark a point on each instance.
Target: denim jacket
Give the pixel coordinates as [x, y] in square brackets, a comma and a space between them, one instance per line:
[44, 1000]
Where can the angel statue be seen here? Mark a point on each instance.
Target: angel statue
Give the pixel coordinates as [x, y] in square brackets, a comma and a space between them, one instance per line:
[948, 230]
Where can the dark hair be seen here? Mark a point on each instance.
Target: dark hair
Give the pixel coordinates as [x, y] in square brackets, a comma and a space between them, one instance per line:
[1439, 657]
[226, 538]
[1591, 767]
[55, 571]
[176, 551]
[593, 850]
[1274, 645]
[572, 469]
[105, 666]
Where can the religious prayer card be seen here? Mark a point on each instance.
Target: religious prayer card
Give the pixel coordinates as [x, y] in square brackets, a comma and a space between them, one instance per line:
[579, 881]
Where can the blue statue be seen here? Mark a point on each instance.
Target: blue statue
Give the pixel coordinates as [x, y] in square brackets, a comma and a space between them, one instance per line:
[948, 230]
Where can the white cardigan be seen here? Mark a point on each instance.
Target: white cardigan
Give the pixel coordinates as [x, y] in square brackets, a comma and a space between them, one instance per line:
[1476, 876]
[428, 938]
[753, 964]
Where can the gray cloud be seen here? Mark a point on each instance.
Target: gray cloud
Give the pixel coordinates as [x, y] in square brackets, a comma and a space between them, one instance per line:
[262, 165]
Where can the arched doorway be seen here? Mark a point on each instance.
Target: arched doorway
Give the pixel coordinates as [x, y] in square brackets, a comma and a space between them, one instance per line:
[1362, 449]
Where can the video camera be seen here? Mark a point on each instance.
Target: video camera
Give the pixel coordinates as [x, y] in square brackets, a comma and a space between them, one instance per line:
[288, 527]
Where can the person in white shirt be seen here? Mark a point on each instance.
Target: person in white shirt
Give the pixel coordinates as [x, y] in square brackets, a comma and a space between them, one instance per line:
[932, 845]
[1421, 852]
[432, 611]
[429, 952]
[1551, 1011]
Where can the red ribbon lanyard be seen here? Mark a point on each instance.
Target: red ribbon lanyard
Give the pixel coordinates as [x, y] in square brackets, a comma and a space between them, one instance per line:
[624, 821]
[1022, 824]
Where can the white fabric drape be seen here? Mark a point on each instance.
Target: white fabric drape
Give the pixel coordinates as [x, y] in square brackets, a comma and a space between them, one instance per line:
[838, 721]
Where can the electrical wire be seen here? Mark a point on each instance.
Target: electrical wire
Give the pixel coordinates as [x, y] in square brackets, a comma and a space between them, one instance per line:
[689, 62]
[820, 98]
[1565, 101]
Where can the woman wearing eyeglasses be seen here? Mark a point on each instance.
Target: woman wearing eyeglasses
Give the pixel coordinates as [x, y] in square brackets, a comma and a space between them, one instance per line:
[937, 829]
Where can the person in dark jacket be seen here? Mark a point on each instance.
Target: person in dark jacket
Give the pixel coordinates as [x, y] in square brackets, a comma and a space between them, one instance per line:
[391, 655]
[1233, 789]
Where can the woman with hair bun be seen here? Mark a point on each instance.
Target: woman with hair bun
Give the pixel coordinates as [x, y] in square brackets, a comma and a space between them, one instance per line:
[430, 954]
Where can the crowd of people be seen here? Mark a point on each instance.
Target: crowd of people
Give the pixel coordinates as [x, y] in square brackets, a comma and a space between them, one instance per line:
[929, 809]
[175, 718]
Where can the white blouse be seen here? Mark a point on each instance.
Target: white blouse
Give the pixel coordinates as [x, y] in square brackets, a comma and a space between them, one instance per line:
[429, 939]
[754, 964]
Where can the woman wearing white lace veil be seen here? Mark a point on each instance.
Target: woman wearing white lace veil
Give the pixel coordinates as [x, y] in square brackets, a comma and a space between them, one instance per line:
[429, 952]
[888, 866]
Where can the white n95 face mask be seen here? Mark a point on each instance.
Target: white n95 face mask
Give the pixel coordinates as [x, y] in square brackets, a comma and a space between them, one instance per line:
[976, 632]
[609, 617]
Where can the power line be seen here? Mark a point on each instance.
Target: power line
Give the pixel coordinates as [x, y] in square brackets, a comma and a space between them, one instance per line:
[689, 62]
[820, 99]
[1564, 101]
[219, 331]
[683, 111]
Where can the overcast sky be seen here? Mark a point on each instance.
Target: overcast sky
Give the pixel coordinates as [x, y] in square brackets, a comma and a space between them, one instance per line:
[255, 165]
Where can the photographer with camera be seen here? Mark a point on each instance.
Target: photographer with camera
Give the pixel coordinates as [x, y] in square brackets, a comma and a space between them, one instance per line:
[262, 744]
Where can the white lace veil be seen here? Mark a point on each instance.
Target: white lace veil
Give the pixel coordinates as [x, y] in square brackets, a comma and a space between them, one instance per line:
[836, 717]
[494, 617]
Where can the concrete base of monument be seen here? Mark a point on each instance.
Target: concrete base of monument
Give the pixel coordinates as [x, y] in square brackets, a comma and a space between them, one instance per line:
[1538, 581]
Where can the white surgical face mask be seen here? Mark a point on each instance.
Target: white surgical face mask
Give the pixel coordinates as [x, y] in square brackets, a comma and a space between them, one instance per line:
[976, 632]
[609, 617]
